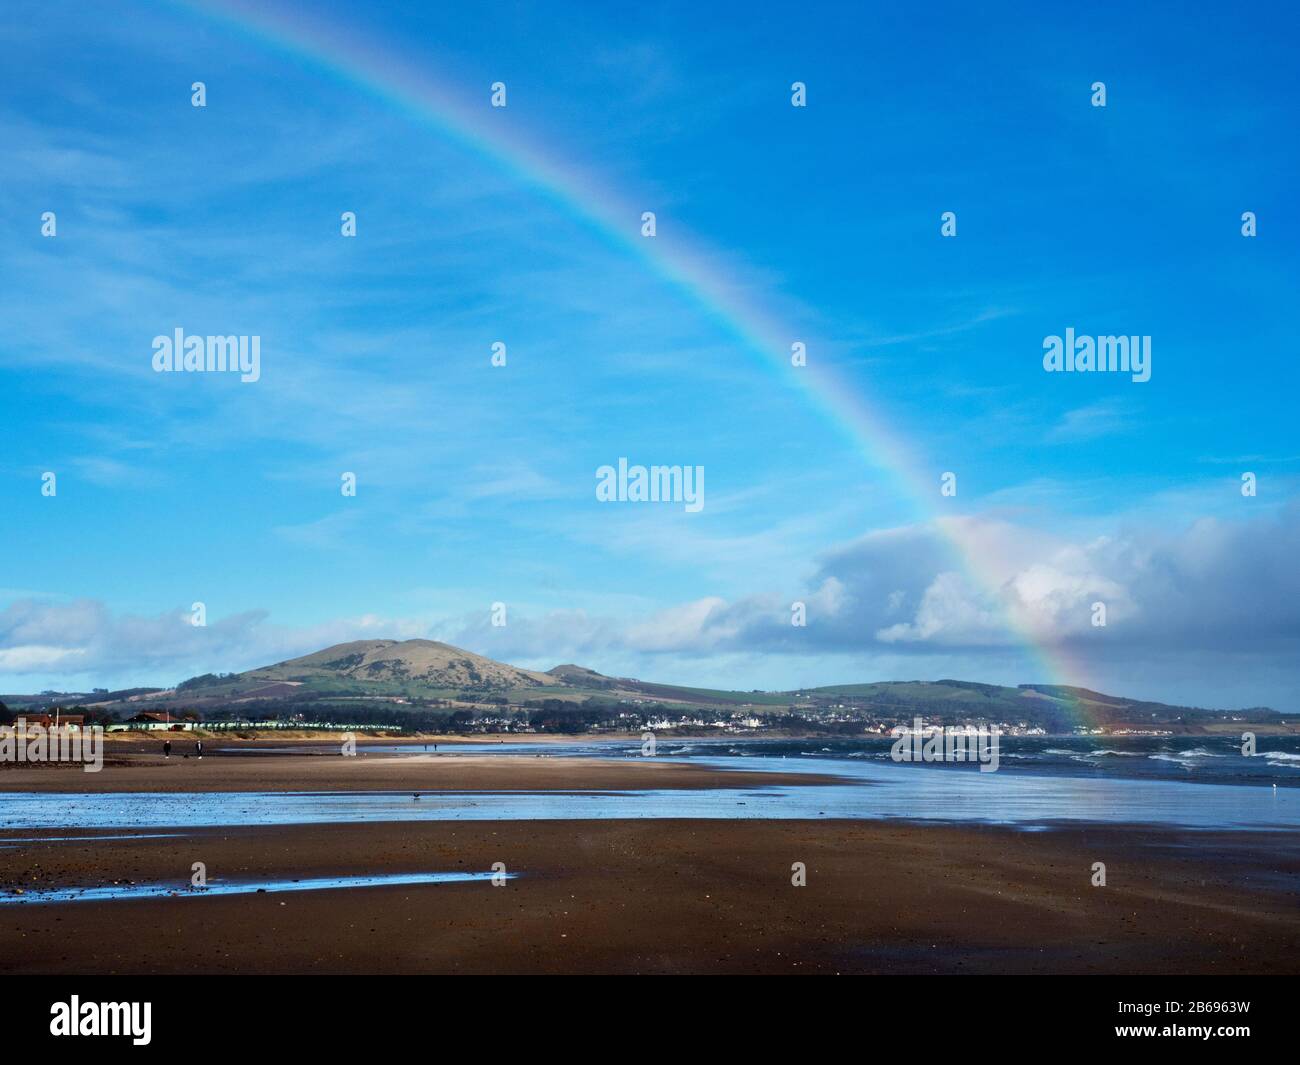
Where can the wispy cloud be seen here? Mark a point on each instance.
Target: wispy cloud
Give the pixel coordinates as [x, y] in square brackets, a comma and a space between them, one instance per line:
[1091, 422]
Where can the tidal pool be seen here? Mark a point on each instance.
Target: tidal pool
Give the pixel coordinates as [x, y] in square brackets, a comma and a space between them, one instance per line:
[110, 892]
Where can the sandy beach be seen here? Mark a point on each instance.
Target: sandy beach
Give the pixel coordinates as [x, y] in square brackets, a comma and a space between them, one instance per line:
[663, 897]
[621, 896]
[444, 771]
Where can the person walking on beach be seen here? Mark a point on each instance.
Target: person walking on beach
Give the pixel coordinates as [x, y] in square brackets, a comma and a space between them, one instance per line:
[167, 748]
[198, 748]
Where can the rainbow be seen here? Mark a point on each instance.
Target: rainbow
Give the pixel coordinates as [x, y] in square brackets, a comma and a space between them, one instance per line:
[376, 67]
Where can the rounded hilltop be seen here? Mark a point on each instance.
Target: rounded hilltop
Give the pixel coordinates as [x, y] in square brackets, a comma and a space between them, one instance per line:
[428, 661]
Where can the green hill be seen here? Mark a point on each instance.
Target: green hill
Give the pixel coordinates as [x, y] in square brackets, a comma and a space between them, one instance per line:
[409, 674]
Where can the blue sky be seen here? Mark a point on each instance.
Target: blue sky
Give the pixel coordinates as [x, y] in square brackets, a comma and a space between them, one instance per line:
[476, 483]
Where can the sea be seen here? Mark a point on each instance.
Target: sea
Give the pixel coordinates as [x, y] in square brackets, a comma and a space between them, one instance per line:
[1195, 783]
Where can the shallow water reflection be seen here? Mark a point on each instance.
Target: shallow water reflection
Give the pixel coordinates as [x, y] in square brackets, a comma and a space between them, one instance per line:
[865, 790]
[153, 891]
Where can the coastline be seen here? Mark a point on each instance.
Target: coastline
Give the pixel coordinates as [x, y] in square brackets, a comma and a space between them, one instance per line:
[670, 895]
[448, 771]
[667, 897]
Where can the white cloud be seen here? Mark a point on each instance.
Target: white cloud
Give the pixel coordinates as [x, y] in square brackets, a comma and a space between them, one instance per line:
[30, 658]
[1211, 605]
[1089, 423]
[85, 644]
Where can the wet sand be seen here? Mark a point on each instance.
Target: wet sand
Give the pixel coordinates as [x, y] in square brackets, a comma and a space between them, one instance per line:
[669, 897]
[653, 896]
[444, 771]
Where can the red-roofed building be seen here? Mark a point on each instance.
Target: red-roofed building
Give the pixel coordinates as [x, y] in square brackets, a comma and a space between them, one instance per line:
[72, 722]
